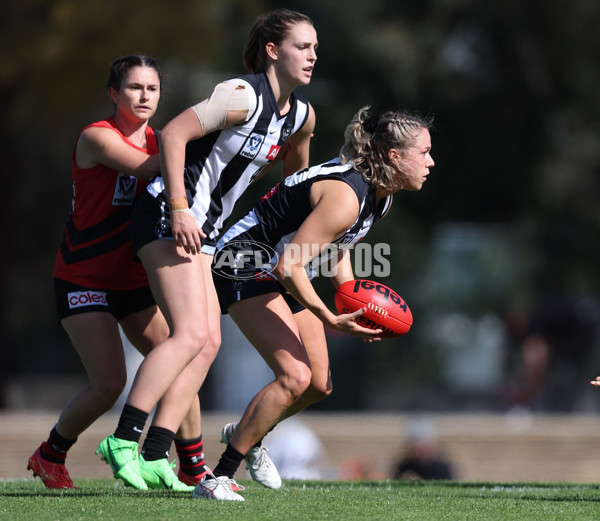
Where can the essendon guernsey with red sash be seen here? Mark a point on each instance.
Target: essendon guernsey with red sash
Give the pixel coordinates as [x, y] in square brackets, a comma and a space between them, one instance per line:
[96, 250]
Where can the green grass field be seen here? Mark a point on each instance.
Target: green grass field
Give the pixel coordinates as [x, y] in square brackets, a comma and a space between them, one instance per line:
[102, 500]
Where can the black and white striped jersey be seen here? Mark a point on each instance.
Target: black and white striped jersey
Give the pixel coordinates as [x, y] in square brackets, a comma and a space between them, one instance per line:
[274, 220]
[220, 166]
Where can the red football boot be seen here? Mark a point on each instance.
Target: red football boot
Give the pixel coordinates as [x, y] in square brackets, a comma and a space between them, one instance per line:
[54, 475]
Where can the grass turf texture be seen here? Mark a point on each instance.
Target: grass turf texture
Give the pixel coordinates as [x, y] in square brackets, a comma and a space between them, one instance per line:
[103, 500]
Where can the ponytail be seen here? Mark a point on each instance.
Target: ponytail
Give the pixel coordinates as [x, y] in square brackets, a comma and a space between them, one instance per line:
[368, 139]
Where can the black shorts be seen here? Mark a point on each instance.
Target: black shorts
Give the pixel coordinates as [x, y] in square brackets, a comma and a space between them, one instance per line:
[232, 290]
[150, 220]
[72, 299]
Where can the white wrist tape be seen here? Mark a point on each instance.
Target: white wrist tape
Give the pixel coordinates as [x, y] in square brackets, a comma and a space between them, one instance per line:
[188, 211]
[184, 210]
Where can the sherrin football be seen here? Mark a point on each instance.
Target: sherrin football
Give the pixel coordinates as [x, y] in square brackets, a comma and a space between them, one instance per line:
[386, 309]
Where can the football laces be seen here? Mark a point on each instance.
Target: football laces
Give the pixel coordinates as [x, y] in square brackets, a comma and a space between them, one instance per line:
[377, 309]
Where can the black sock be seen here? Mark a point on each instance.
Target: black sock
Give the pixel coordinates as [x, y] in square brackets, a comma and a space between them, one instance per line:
[131, 423]
[55, 449]
[157, 443]
[229, 462]
[191, 456]
[259, 442]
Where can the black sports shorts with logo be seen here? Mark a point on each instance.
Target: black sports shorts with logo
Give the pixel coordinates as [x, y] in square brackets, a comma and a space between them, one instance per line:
[72, 299]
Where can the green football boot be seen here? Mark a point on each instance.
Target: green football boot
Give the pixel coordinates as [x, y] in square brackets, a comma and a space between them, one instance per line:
[159, 474]
[123, 458]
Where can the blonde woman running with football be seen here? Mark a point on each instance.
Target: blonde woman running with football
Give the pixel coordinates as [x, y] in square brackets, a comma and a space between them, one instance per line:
[210, 153]
[307, 220]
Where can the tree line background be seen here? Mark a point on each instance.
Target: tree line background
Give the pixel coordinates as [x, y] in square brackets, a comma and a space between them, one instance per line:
[497, 255]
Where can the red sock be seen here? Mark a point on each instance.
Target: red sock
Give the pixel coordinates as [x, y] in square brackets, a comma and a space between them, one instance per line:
[191, 456]
[56, 448]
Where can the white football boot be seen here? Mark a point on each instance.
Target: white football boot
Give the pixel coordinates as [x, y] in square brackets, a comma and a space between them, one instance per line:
[211, 487]
[261, 467]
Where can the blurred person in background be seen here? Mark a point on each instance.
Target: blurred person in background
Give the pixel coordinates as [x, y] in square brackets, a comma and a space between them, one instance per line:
[98, 285]
[210, 153]
[296, 451]
[553, 346]
[421, 458]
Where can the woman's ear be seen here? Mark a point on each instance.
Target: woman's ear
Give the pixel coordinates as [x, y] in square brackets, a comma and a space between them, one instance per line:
[393, 154]
[271, 49]
[113, 94]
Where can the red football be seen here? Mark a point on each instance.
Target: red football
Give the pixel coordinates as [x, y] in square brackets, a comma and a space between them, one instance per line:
[386, 309]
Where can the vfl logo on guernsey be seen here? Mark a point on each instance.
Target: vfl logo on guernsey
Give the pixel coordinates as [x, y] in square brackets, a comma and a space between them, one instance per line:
[252, 146]
[125, 189]
[79, 299]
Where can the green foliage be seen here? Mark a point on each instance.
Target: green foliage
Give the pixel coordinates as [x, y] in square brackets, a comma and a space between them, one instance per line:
[314, 500]
[512, 86]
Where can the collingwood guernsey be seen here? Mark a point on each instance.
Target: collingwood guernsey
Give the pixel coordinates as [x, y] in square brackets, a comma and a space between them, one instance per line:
[274, 220]
[220, 166]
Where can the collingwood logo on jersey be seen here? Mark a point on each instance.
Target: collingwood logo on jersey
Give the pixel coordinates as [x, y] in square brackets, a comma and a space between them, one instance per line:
[348, 238]
[125, 188]
[252, 146]
[287, 130]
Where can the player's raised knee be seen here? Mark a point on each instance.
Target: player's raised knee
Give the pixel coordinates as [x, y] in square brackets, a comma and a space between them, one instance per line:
[297, 380]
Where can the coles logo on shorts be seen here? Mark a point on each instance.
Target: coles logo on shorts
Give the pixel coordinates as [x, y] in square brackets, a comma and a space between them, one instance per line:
[79, 299]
